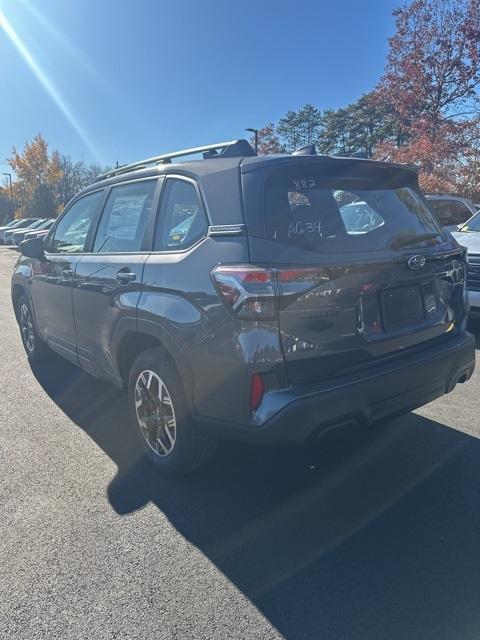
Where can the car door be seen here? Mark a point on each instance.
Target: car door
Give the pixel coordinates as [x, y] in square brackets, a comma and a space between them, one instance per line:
[53, 278]
[108, 279]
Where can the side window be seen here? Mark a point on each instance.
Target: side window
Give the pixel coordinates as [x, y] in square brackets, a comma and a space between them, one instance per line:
[70, 234]
[124, 218]
[462, 213]
[450, 212]
[182, 220]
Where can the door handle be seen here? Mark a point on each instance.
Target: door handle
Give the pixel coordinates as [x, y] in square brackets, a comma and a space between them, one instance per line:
[67, 274]
[124, 277]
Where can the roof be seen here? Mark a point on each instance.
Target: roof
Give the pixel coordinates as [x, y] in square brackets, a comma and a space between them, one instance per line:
[220, 158]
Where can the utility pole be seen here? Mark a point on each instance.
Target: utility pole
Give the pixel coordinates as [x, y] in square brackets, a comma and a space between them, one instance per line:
[254, 131]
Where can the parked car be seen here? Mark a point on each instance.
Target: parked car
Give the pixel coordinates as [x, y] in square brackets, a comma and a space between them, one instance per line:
[469, 236]
[8, 233]
[232, 298]
[30, 232]
[16, 224]
[449, 210]
[15, 234]
[9, 225]
[36, 234]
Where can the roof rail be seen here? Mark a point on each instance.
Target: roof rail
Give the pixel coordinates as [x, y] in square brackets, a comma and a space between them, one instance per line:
[231, 149]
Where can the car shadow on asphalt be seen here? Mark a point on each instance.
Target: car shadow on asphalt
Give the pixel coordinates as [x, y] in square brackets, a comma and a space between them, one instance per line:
[367, 535]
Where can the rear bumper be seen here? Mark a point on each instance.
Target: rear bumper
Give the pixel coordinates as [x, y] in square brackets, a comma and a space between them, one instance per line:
[401, 386]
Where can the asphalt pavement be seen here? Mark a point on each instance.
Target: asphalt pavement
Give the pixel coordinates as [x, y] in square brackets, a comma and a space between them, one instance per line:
[370, 536]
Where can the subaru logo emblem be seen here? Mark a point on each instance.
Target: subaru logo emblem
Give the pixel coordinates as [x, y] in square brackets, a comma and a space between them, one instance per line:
[416, 262]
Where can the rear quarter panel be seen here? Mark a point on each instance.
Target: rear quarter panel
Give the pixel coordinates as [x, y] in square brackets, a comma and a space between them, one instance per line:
[216, 352]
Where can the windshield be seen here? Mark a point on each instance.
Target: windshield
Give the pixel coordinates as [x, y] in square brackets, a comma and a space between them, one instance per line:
[473, 224]
[314, 213]
[16, 223]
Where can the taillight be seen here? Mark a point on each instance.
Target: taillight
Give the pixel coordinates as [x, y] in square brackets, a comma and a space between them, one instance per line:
[249, 292]
[254, 293]
[257, 391]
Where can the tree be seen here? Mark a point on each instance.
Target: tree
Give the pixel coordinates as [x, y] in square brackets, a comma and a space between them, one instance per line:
[290, 131]
[6, 206]
[268, 141]
[38, 173]
[431, 83]
[468, 170]
[433, 65]
[298, 128]
[310, 120]
[358, 127]
[74, 177]
[436, 159]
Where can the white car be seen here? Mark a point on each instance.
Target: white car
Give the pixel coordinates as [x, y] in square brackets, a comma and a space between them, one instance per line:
[469, 236]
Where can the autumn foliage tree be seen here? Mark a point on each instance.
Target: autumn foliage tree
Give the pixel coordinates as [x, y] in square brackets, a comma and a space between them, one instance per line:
[268, 141]
[46, 180]
[38, 172]
[431, 82]
[425, 109]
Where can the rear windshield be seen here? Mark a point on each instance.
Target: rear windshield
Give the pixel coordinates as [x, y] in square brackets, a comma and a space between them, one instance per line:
[314, 212]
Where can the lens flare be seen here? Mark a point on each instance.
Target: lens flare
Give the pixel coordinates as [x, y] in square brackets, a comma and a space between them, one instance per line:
[47, 84]
[61, 39]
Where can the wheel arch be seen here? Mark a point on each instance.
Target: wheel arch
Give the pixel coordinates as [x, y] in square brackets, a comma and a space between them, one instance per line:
[132, 339]
[19, 290]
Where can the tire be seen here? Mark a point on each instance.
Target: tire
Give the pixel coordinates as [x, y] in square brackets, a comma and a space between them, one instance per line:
[161, 418]
[34, 346]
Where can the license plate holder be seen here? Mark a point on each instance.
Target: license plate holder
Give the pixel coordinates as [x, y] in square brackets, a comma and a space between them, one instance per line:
[402, 307]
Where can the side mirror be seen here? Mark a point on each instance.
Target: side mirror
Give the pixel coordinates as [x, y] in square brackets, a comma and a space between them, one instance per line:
[33, 248]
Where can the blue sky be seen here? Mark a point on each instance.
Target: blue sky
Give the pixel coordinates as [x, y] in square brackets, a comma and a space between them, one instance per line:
[107, 80]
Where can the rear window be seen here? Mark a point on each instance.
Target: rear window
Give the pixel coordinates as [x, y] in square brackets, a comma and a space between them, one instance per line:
[315, 212]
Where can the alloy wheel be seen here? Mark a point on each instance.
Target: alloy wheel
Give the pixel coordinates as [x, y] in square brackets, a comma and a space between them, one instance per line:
[26, 327]
[155, 413]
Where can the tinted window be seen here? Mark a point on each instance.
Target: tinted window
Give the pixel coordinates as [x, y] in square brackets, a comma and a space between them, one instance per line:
[316, 212]
[70, 235]
[124, 218]
[182, 220]
[450, 212]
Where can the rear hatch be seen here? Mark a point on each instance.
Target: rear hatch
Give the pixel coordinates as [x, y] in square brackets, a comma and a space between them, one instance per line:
[363, 271]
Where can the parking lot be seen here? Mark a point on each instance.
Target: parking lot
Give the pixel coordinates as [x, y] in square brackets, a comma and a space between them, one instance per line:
[372, 535]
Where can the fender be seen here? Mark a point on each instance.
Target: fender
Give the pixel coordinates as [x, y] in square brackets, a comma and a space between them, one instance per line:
[22, 277]
[131, 325]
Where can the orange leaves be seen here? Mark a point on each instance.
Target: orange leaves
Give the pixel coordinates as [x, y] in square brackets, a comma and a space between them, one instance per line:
[38, 173]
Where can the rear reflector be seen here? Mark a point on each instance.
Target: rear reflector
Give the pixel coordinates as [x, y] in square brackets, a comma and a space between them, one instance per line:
[257, 391]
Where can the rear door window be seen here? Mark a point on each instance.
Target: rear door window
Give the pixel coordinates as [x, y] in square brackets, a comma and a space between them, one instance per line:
[182, 221]
[320, 213]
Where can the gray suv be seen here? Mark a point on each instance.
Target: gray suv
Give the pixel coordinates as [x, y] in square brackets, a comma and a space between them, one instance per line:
[262, 298]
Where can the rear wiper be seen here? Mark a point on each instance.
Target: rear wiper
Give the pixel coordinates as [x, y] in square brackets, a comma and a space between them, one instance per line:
[406, 241]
